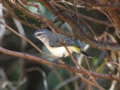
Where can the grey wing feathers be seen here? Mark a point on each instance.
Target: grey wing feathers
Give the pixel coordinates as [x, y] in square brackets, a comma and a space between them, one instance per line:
[68, 41]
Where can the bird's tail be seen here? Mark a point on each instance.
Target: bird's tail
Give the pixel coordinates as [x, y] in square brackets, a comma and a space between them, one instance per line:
[86, 54]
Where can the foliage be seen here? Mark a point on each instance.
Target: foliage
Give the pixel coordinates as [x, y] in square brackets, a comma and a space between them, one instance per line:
[25, 62]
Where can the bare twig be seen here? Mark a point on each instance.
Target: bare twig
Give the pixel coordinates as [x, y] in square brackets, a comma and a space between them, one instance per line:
[99, 45]
[45, 62]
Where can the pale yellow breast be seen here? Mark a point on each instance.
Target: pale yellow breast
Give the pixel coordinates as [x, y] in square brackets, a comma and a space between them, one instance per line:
[59, 51]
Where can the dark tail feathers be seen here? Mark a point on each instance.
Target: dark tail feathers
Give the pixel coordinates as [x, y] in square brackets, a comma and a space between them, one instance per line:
[86, 54]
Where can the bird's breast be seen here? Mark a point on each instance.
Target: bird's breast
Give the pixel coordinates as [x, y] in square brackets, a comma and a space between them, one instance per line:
[59, 51]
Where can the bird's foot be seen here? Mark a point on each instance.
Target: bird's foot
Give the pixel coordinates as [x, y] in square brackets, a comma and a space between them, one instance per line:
[55, 62]
[69, 65]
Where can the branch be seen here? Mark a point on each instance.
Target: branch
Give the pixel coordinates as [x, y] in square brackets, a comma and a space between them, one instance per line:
[83, 16]
[46, 62]
[13, 14]
[99, 45]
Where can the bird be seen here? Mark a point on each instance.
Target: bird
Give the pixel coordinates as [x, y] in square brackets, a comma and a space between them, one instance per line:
[51, 41]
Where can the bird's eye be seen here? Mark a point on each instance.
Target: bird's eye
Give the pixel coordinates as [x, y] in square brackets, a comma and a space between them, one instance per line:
[39, 34]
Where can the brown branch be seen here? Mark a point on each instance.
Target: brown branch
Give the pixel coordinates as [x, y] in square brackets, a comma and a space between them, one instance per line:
[95, 44]
[102, 5]
[26, 39]
[83, 16]
[78, 34]
[11, 11]
[99, 45]
[112, 9]
[72, 58]
[96, 21]
[46, 62]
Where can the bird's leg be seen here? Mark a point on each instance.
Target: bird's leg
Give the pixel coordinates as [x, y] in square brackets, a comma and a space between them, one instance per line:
[58, 59]
[69, 63]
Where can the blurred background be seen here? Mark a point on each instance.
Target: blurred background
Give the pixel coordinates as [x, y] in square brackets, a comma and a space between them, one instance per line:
[20, 74]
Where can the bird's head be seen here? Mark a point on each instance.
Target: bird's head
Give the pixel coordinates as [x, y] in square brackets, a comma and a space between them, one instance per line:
[42, 34]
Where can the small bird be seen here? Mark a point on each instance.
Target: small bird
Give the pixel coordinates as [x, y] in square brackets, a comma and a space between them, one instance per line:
[51, 41]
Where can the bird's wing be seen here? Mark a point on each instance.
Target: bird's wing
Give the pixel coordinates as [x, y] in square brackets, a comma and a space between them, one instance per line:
[54, 42]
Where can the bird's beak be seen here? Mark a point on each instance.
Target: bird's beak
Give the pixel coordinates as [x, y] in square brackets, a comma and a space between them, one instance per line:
[33, 35]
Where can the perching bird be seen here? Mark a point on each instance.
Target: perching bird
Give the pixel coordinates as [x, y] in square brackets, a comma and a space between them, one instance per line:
[51, 41]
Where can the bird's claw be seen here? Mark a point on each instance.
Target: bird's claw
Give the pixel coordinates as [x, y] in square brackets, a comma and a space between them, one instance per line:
[54, 63]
